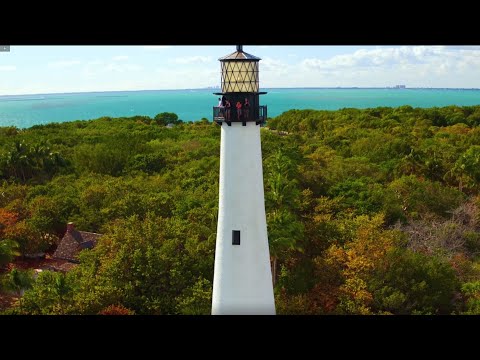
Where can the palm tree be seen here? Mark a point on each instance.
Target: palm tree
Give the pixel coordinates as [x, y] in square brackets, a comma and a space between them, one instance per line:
[281, 184]
[282, 194]
[19, 280]
[8, 251]
[61, 288]
[284, 233]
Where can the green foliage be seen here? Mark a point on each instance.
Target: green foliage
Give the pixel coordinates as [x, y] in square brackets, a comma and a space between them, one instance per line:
[408, 282]
[146, 266]
[468, 166]
[149, 163]
[18, 281]
[284, 232]
[28, 238]
[471, 291]
[358, 195]
[23, 161]
[419, 196]
[8, 251]
[166, 118]
[50, 294]
[102, 158]
[336, 183]
[197, 300]
[8, 131]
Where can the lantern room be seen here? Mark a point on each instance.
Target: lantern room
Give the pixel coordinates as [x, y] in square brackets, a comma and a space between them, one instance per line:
[239, 99]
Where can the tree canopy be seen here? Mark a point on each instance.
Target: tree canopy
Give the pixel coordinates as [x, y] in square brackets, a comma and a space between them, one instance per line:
[373, 211]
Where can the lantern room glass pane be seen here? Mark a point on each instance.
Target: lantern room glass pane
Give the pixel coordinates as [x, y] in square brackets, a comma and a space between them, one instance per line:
[240, 76]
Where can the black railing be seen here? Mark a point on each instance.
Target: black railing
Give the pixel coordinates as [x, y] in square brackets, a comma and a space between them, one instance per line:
[222, 114]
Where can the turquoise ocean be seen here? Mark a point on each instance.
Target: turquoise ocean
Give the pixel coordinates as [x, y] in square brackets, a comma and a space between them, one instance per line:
[24, 111]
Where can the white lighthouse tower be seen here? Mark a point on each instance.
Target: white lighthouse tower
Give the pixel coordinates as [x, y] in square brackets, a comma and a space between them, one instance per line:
[242, 282]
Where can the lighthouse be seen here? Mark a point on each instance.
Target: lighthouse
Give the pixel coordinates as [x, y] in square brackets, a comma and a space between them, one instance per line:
[242, 281]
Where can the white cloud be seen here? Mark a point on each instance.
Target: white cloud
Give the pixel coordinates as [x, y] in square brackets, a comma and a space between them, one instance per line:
[186, 78]
[62, 64]
[122, 67]
[94, 68]
[463, 47]
[156, 47]
[120, 58]
[388, 56]
[416, 66]
[192, 60]
[8, 68]
[270, 64]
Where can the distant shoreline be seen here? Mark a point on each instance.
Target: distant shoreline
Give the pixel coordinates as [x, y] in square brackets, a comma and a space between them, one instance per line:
[216, 89]
[24, 111]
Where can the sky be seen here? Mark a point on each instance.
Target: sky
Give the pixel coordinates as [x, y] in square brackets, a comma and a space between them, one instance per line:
[57, 69]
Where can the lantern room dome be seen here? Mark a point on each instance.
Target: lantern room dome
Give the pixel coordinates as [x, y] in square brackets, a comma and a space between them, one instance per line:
[239, 55]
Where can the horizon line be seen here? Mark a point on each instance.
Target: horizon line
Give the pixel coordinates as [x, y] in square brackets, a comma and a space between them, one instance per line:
[216, 88]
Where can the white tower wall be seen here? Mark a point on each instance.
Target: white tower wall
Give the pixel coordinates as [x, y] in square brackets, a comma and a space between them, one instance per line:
[242, 282]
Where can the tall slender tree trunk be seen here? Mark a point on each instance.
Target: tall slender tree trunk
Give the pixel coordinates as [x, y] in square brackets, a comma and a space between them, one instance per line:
[23, 174]
[274, 270]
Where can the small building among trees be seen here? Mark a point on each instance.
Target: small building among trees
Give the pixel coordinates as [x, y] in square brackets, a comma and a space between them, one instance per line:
[73, 242]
